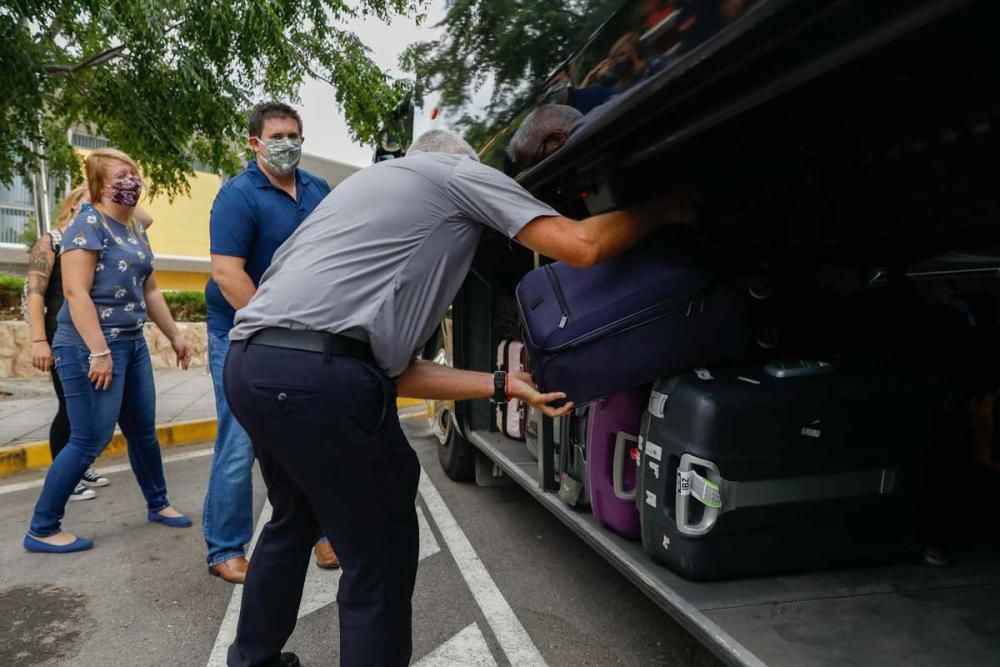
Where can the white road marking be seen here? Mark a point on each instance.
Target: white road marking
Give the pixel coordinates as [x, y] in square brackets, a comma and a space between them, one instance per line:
[428, 543]
[227, 629]
[106, 470]
[319, 591]
[466, 649]
[506, 627]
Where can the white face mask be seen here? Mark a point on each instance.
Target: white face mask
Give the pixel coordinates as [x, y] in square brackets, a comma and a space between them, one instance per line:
[281, 155]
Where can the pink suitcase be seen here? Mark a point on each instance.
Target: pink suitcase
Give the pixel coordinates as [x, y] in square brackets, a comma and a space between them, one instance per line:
[512, 418]
[612, 440]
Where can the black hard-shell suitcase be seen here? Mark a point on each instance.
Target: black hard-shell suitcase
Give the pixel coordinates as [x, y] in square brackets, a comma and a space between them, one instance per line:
[790, 466]
[573, 487]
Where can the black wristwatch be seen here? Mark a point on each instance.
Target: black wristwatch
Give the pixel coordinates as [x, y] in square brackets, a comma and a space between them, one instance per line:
[499, 387]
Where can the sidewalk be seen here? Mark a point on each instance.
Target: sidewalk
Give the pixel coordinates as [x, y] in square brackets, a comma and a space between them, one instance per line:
[28, 405]
[185, 414]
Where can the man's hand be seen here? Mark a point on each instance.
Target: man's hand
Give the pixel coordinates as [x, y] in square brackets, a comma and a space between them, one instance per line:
[521, 386]
[678, 208]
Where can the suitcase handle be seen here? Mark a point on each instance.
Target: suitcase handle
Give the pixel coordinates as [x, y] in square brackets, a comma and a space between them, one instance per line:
[719, 495]
[622, 440]
[682, 499]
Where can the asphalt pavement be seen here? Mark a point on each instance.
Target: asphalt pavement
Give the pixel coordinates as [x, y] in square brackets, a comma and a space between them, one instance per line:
[501, 582]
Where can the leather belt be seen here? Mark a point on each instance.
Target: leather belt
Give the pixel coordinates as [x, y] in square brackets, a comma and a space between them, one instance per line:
[331, 345]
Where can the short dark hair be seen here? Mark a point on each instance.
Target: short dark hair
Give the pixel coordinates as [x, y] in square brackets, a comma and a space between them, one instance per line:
[266, 110]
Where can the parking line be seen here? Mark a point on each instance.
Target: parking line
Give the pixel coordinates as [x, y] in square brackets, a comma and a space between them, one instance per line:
[227, 629]
[510, 634]
[506, 627]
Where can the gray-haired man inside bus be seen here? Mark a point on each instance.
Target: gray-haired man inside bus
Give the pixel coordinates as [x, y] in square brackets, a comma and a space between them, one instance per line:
[321, 351]
[541, 133]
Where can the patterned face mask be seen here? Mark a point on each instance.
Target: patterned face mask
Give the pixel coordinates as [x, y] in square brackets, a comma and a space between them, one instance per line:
[282, 155]
[126, 191]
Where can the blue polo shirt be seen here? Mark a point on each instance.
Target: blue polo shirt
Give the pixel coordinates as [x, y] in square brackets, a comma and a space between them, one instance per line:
[251, 218]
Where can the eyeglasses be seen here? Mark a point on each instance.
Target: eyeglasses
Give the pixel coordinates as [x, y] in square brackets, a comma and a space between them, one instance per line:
[543, 148]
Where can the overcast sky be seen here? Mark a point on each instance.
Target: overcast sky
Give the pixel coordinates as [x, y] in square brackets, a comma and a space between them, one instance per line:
[325, 129]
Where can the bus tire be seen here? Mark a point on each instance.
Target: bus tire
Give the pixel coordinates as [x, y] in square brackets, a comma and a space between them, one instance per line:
[456, 455]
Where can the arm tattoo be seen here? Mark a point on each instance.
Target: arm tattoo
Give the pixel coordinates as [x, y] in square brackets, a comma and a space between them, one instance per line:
[40, 268]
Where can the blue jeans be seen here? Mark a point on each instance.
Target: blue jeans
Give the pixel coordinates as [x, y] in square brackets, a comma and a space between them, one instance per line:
[131, 402]
[227, 518]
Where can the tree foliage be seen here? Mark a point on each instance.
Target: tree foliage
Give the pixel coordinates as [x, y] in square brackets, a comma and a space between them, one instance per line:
[505, 43]
[170, 81]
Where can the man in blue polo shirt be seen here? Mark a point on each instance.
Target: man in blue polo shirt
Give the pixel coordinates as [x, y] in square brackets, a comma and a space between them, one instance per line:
[252, 216]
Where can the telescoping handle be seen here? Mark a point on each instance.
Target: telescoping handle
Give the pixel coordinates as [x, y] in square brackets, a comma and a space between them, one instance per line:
[623, 441]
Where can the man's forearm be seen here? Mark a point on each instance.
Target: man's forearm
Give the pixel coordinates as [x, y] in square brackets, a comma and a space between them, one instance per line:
[615, 232]
[611, 234]
[426, 379]
[238, 288]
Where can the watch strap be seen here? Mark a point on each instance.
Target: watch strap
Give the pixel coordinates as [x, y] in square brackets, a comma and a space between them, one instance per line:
[500, 387]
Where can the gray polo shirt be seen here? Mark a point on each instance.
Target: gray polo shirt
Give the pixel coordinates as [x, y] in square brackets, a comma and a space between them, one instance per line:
[385, 253]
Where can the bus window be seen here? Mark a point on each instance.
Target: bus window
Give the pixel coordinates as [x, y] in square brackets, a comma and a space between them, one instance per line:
[636, 45]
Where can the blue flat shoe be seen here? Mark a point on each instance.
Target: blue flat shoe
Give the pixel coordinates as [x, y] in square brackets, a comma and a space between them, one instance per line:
[37, 546]
[172, 521]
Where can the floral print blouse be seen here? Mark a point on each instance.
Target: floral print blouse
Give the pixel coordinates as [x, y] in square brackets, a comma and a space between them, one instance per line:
[124, 262]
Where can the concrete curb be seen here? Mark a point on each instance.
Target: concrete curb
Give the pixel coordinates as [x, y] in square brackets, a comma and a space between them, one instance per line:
[33, 455]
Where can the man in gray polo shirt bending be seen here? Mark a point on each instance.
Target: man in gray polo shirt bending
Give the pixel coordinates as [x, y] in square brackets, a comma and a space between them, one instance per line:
[320, 353]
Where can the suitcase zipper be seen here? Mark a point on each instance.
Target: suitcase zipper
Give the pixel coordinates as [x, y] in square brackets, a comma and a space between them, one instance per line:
[659, 311]
[560, 297]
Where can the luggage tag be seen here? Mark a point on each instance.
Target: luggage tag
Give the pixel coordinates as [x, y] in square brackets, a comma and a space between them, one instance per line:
[690, 483]
[570, 490]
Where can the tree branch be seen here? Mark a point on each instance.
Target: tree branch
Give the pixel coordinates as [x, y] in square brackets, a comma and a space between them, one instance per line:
[95, 61]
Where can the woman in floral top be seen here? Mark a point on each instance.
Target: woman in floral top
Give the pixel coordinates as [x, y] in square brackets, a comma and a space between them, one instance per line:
[100, 353]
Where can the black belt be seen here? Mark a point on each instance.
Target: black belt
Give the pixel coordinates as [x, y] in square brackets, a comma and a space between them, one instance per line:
[331, 345]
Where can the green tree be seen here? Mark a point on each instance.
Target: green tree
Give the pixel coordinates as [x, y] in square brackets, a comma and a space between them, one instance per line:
[505, 43]
[171, 81]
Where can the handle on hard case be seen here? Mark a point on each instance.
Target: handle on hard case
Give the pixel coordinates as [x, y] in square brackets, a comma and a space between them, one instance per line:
[622, 440]
[685, 471]
[719, 495]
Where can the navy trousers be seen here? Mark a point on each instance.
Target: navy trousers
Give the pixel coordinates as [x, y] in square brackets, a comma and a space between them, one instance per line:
[334, 458]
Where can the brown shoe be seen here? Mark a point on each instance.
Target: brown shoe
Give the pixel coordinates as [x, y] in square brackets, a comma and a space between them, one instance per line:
[233, 570]
[326, 558]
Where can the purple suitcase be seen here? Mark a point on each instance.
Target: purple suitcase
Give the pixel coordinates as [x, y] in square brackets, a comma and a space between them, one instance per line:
[652, 311]
[612, 438]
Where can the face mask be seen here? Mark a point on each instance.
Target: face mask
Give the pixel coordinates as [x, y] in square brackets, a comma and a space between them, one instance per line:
[282, 155]
[126, 191]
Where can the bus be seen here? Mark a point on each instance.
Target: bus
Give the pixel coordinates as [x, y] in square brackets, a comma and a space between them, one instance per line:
[847, 144]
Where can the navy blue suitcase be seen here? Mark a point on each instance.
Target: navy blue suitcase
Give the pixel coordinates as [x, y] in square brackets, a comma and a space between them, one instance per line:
[652, 311]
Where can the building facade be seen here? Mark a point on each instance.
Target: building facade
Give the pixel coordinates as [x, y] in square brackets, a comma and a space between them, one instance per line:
[179, 235]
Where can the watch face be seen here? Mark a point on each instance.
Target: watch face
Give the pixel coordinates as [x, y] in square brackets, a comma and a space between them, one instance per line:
[389, 144]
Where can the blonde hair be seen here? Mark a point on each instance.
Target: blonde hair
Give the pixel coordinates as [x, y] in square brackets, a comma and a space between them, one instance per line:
[95, 168]
[70, 202]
